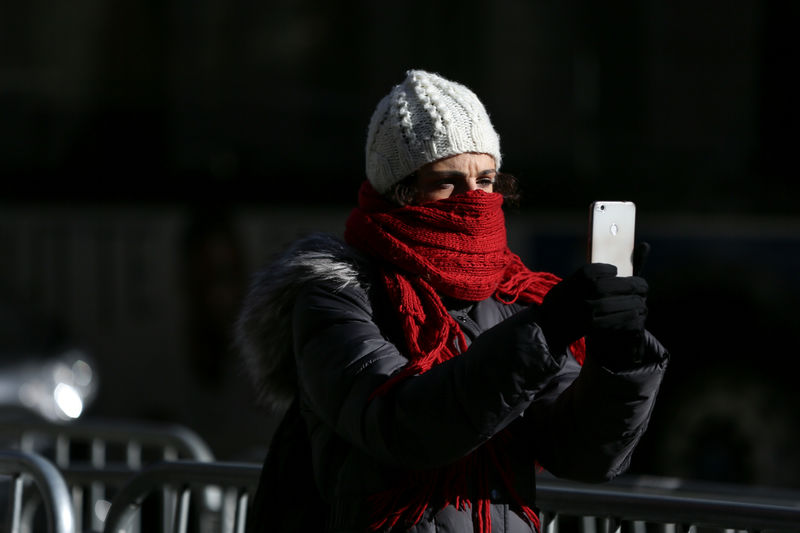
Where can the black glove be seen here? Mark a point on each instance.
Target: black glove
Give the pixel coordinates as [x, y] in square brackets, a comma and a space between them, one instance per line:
[640, 253]
[567, 309]
[616, 329]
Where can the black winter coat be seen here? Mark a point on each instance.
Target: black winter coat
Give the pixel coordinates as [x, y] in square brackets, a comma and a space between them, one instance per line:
[578, 422]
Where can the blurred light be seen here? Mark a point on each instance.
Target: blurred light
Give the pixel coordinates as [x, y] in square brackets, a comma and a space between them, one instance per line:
[29, 394]
[101, 508]
[68, 400]
[82, 373]
[213, 498]
[58, 388]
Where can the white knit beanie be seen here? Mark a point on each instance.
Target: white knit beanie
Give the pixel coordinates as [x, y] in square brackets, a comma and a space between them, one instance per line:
[423, 119]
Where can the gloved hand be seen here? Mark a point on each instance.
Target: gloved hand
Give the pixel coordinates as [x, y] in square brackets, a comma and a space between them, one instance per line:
[616, 331]
[565, 313]
[640, 253]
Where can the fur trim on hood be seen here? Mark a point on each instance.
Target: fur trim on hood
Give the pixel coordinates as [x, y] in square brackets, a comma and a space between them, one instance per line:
[264, 327]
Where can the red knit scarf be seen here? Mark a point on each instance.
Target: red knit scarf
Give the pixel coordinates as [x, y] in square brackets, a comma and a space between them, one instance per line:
[455, 247]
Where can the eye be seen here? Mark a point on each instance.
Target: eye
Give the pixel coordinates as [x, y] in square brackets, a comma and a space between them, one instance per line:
[486, 181]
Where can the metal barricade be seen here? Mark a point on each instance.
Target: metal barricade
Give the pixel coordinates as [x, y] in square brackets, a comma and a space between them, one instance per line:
[631, 505]
[169, 441]
[181, 482]
[21, 468]
[97, 456]
[626, 505]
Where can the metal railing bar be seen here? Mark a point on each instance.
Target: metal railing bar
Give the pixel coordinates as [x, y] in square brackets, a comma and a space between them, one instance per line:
[182, 522]
[15, 504]
[133, 454]
[181, 473]
[49, 481]
[697, 509]
[241, 513]
[77, 494]
[62, 451]
[182, 439]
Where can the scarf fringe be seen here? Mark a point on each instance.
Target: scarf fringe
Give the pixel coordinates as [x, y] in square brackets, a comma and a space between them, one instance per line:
[408, 506]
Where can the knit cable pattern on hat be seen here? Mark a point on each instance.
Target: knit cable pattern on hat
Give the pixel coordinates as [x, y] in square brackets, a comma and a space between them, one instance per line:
[423, 119]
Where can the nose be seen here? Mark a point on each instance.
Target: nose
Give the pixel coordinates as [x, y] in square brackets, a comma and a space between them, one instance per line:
[469, 184]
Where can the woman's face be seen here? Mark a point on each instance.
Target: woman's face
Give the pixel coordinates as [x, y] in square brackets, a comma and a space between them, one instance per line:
[455, 175]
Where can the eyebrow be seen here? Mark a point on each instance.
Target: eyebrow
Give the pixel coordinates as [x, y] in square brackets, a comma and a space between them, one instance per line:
[458, 173]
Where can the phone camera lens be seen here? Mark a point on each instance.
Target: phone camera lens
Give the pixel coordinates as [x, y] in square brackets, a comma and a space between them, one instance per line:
[602, 208]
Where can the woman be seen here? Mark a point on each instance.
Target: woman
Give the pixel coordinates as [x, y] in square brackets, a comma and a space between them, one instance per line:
[429, 374]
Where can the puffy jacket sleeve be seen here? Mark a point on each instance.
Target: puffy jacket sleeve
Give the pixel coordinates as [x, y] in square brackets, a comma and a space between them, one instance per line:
[424, 421]
[588, 420]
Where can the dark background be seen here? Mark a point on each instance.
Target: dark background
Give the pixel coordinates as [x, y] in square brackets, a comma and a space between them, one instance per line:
[686, 107]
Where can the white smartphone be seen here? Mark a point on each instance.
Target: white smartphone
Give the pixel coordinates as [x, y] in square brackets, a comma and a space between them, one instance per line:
[612, 225]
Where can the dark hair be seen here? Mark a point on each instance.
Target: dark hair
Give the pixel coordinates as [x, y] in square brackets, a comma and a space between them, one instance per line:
[405, 191]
